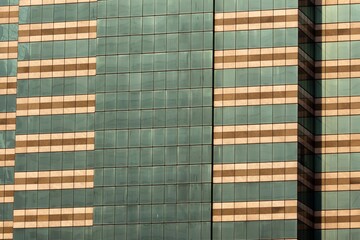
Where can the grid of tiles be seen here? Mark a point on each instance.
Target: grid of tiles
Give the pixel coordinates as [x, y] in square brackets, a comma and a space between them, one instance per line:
[256, 173]
[336, 112]
[55, 106]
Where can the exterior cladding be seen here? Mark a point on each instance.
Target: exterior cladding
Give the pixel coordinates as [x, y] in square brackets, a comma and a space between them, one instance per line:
[179, 119]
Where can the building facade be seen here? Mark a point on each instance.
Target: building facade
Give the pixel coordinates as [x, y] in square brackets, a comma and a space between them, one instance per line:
[179, 119]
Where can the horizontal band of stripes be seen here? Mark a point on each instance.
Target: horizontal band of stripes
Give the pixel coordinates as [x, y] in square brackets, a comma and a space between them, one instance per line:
[268, 19]
[259, 57]
[337, 68]
[255, 172]
[8, 50]
[45, 2]
[255, 211]
[8, 85]
[337, 106]
[9, 14]
[335, 2]
[6, 194]
[57, 31]
[51, 180]
[337, 219]
[337, 181]
[260, 133]
[6, 230]
[55, 105]
[54, 217]
[69, 67]
[7, 121]
[264, 95]
[342, 143]
[336, 32]
[7, 157]
[79, 141]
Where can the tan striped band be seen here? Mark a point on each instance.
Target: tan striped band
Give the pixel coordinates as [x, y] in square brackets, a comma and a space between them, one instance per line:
[7, 121]
[337, 181]
[7, 157]
[8, 50]
[8, 85]
[55, 105]
[337, 106]
[57, 68]
[248, 134]
[60, 217]
[9, 14]
[255, 172]
[337, 68]
[234, 21]
[255, 211]
[342, 143]
[57, 31]
[6, 230]
[264, 95]
[336, 32]
[335, 2]
[337, 219]
[78, 141]
[6, 194]
[50, 180]
[261, 57]
[45, 2]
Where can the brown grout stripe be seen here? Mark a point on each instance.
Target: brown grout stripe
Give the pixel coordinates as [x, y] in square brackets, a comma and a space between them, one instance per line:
[57, 68]
[57, 31]
[9, 14]
[78, 141]
[8, 85]
[45, 2]
[54, 180]
[60, 217]
[245, 96]
[233, 21]
[263, 133]
[55, 105]
[265, 57]
[6, 230]
[255, 211]
[7, 157]
[337, 106]
[337, 219]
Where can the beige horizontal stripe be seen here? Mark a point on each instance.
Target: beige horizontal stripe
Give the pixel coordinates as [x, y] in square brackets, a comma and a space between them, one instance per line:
[254, 211]
[263, 133]
[9, 14]
[335, 2]
[8, 85]
[342, 143]
[232, 21]
[248, 58]
[55, 105]
[245, 96]
[8, 50]
[56, 68]
[6, 230]
[335, 106]
[335, 32]
[7, 157]
[71, 179]
[79, 141]
[61, 217]
[255, 172]
[45, 2]
[57, 31]
[6, 194]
